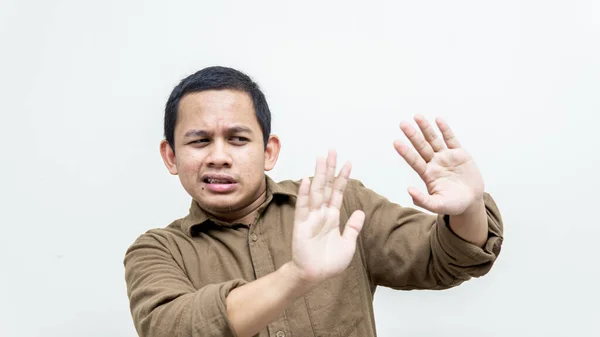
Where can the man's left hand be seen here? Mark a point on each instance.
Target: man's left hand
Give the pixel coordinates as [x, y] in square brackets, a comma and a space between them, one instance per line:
[454, 183]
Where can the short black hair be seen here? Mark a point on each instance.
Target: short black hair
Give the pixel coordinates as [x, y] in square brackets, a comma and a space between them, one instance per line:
[217, 78]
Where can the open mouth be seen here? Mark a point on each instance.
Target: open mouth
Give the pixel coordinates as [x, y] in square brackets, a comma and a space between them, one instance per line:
[218, 181]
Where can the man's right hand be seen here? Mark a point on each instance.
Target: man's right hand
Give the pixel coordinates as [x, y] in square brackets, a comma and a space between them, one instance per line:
[319, 250]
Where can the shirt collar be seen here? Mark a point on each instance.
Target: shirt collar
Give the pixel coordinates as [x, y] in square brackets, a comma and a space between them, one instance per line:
[198, 216]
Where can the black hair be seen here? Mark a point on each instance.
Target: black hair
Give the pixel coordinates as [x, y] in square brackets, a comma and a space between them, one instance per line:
[217, 78]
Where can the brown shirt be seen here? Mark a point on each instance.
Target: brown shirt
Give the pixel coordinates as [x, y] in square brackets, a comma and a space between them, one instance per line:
[178, 277]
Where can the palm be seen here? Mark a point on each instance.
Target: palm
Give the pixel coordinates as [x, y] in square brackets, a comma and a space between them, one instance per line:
[319, 250]
[451, 177]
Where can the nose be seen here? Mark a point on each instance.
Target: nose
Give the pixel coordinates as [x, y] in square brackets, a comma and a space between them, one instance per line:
[219, 156]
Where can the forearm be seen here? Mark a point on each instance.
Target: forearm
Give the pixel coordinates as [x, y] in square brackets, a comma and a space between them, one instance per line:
[253, 306]
[472, 224]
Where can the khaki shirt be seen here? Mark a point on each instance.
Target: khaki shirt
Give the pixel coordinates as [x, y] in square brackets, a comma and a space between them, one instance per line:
[178, 277]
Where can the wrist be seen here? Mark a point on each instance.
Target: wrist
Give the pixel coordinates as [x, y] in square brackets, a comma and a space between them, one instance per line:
[474, 208]
[471, 225]
[294, 277]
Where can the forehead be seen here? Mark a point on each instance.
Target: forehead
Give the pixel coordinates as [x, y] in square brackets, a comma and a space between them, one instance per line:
[215, 108]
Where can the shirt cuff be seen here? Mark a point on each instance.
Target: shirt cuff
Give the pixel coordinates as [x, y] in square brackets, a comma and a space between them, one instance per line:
[211, 299]
[466, 254]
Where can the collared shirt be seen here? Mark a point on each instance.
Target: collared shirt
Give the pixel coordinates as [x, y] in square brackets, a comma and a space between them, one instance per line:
[179, 276]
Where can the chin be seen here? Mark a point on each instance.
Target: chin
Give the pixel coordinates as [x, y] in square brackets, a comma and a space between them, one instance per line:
[221, 203]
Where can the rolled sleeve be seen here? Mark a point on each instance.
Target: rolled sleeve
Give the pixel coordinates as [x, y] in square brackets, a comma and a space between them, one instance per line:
[404, 248]
[208, 316]
[163, 301]
[473, 260]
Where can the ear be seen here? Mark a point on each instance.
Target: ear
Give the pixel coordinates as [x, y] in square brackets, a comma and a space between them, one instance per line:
[272, 152]
[168, 156]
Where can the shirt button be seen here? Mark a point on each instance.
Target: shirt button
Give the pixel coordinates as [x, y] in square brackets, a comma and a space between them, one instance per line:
[254, 237]
[280, 334]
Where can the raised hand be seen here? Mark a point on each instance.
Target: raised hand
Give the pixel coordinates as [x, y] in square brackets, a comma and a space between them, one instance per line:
[319, 249]
[452, 179]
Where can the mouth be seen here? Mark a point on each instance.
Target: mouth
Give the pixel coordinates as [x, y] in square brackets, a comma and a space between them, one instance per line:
[218, 179]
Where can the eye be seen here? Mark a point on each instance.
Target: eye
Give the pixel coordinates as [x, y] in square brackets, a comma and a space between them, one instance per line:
[239, 139]
[199, 141]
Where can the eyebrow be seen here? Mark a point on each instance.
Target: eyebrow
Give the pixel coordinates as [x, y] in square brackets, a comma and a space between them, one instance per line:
[230, 130]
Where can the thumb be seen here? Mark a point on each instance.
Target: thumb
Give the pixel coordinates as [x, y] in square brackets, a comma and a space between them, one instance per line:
[353, 226]
[432, 203]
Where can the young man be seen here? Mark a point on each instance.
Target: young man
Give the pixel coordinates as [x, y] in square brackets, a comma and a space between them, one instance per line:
[258, 258]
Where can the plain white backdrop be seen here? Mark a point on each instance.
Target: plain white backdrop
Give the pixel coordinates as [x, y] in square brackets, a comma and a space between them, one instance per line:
[83, 86]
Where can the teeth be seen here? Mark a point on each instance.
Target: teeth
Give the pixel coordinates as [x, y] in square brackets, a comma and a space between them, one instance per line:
[217, 181]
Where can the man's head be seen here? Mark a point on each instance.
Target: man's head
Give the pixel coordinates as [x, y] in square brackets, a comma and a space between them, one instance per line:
[217, 130]
[217, 78]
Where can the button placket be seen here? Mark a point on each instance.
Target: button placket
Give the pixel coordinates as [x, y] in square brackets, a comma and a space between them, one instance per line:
[262, 263]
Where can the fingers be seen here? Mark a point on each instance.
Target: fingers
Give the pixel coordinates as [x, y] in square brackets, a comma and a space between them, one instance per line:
[429, 132]
[330, 174]
[353, 226]
[411, 157]
[418, 141]
[339, 186]
[449, 138]
[326, 189]
[427, 141]
[302, 202]
[317, 187]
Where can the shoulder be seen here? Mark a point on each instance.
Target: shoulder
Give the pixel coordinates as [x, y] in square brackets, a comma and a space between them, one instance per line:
[161, 236]
[355, 184]
[354, 192]
[284, 187]
[292, 185]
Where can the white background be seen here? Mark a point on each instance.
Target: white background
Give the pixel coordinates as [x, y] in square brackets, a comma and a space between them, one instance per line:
[83, 86]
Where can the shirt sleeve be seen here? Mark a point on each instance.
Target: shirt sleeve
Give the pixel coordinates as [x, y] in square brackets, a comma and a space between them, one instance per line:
[404, 248]
[163, 301]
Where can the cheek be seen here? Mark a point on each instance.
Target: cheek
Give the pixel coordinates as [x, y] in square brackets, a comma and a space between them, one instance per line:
[253, 166]
[190, 166]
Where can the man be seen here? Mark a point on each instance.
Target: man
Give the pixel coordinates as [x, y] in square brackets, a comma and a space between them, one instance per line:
[259, 258]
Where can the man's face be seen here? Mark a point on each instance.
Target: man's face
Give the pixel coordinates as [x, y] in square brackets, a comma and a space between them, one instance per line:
[219, 153]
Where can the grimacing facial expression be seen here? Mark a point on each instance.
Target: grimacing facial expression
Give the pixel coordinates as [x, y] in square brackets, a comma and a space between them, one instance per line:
[220, 154]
